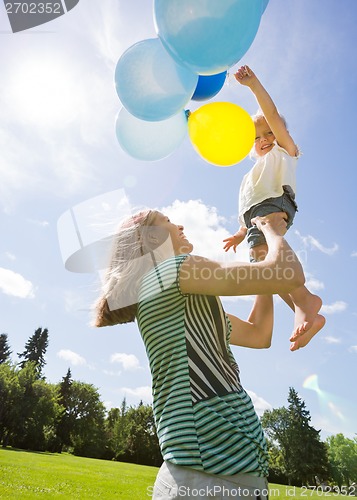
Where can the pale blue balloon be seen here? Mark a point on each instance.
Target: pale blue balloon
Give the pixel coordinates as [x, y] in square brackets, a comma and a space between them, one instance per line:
[264, 5]
[150, 141]
[208, 36]
[150, 84]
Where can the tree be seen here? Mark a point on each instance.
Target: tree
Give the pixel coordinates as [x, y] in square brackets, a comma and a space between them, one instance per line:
[66, 420]
[303, 453]
[342, 454]
[117, 431]
[38, 408]
[142, 445]
[132, 435]
[87, 416]
[4, 348]
[10, 407]
[35, 350]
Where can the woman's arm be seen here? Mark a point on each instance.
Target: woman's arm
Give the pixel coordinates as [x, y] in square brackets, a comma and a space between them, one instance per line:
[280, 272]
[256, 332]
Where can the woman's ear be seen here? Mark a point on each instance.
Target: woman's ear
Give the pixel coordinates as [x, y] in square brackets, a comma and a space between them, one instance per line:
[152, 238]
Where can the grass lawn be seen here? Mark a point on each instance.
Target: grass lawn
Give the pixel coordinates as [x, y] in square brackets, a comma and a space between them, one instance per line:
[31, 475]
[26, 474]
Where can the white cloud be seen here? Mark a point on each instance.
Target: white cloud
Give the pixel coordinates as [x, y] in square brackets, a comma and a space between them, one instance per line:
[111, 373]
[128, 361]
[204, 227]
[353, 349]
[313, 284]
[143, 393]
[310, 241]
[331, 340]
[10, 256]
[14, 284]
[40, 223]
[354, 254]
[259, 403]
[244, 298]
[336, 307]
[72, 357]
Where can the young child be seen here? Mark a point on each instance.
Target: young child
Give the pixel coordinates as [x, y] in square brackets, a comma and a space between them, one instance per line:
[270, 187]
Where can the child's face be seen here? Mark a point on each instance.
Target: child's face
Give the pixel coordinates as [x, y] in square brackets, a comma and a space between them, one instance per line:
[264, 137]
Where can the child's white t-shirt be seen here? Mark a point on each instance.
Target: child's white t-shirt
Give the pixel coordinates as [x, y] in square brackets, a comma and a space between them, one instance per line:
[266, 179]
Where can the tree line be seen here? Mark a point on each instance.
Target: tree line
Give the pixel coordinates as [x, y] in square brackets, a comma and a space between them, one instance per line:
[70, 416]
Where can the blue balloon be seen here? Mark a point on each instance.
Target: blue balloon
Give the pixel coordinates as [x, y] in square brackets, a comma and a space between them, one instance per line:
[150, 84]
[264, 6]
[150, 140]
[209, 86]
[208, 36]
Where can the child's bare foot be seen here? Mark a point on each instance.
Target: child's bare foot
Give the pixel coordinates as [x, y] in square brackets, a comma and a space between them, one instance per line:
[306, 309]
[304, 339]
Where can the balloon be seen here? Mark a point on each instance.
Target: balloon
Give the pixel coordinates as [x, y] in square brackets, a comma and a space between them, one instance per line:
[150, 84]
[223, 133]
[208, 36]
[150, 141]
[264, 6]
[209, 86]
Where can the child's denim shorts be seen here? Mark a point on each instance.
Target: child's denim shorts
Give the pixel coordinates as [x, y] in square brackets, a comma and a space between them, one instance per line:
[284, 203]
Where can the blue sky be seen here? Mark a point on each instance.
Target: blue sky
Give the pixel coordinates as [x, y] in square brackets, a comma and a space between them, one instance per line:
[58, 149]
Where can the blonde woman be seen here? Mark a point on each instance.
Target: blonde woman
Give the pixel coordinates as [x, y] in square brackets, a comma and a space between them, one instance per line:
[209, 433]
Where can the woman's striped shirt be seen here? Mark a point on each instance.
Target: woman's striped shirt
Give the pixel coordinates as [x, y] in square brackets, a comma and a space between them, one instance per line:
[204, 418]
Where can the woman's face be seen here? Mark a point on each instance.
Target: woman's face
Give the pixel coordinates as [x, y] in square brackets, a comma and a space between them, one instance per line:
[179, 241]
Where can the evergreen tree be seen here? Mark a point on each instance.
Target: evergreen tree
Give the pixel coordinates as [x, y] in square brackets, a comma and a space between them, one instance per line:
[303, 453]
[66, 421]
[4, 348]
[307, 454]
[35, 350]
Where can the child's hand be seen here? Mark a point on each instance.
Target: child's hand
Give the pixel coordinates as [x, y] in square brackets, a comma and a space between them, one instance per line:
[245, 75]
[233, 241]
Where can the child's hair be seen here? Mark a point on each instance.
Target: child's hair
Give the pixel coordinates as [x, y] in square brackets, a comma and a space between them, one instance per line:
[118, 302]
[259, 114]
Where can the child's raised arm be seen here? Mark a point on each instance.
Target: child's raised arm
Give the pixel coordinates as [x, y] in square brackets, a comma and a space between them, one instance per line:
[245, 76]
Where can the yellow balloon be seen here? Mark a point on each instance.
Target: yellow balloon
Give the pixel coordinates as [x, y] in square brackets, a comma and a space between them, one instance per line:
[222, 133]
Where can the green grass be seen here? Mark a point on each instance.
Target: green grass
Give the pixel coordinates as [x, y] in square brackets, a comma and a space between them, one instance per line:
[31, 475]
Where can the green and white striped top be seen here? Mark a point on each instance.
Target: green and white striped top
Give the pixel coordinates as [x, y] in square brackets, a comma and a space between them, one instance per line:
[204, 418]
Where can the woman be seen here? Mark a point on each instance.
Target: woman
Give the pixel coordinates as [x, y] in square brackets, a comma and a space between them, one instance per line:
[210, 436]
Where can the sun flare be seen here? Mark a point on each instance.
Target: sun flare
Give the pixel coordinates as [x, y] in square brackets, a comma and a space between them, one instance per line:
[44, 92]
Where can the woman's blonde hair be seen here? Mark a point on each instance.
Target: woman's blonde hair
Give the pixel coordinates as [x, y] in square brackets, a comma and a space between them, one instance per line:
[129, 261]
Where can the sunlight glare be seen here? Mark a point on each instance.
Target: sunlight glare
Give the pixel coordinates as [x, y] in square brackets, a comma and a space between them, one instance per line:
[45, 93]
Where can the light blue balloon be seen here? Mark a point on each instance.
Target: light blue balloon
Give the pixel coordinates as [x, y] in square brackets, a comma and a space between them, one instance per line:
[150, 141]
[150, 84]
[264, 5]
[208, 36]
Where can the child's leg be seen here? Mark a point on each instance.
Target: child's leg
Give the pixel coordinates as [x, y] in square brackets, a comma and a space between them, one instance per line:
[303, 338]
[304, 304]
